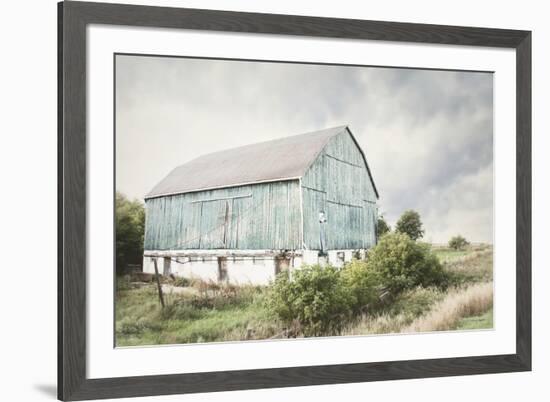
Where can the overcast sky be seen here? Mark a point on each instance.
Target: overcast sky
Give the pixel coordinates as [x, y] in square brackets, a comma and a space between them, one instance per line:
[427, 135]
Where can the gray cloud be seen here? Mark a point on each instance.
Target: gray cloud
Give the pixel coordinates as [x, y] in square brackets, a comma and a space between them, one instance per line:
[428, 135]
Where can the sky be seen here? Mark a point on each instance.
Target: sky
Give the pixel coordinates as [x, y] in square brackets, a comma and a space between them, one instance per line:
[427, 135]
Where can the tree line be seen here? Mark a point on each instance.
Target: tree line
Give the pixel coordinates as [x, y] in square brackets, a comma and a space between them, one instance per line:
[410, 224]
[129, 229]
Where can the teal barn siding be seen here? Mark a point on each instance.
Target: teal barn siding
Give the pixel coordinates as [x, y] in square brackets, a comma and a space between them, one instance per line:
[338, 183]
[251, 217]
[294, 179]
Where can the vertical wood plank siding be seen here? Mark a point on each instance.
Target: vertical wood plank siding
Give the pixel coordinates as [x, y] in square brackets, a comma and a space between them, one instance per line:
[260, 216]
[338, 184]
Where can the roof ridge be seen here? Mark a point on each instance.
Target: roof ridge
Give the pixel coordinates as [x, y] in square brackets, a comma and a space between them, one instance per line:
[273, 140]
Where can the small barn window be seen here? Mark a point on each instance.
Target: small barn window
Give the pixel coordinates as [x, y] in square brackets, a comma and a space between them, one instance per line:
[340, 257]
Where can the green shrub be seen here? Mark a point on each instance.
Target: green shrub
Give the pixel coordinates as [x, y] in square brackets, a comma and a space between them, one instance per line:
[458, 243]
[315, 300]
[403, 264]
[363, 283]
[415, 302]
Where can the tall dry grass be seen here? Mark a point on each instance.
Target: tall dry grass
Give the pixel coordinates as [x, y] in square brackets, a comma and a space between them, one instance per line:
[458, 304]
[381, 324]
[463, 262]
[476, 267]
[444, 313]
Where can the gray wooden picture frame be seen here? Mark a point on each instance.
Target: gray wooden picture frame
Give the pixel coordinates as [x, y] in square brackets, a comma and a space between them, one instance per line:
[73, 18]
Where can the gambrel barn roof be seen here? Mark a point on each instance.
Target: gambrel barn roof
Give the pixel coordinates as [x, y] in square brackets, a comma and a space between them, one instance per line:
[281, 159]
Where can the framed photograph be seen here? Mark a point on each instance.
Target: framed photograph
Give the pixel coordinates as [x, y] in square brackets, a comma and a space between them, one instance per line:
[257, 201]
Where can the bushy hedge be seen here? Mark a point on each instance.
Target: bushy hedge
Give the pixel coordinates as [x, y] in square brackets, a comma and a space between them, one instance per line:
[364, 284]
[403, 263]
[315, 299]
[322, 300]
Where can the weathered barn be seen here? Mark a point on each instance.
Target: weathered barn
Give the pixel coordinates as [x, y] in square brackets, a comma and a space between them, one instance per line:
[244, 214]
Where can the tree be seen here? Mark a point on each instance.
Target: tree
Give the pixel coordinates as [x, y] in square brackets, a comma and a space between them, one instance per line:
[130, 228]
[458, 242]
[410, 224]
[382, 227]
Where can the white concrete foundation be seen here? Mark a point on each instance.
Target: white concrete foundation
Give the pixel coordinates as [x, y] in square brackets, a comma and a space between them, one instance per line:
[256, 267]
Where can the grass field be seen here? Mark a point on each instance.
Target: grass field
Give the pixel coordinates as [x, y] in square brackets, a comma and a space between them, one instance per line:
[446, 254]
[199, 313]
[189, 318]
[484, 320]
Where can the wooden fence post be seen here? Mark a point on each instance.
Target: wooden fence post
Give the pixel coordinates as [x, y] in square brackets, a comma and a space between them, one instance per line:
[161, 297]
